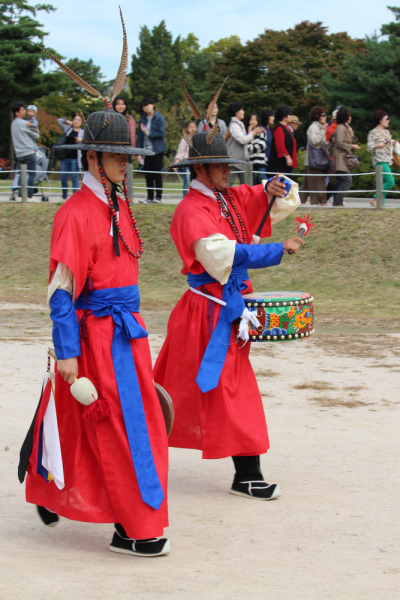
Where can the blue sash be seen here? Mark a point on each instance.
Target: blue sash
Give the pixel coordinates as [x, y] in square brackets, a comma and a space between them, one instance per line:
[214, 357]
[119, 303]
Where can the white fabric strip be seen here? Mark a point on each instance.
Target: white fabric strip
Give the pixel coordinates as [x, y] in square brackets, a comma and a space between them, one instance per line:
[283, 207]
[245, 317]
[52, 459]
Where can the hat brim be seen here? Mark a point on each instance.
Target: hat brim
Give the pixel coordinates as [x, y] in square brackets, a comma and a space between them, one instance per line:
[207, 161]
[117, 149]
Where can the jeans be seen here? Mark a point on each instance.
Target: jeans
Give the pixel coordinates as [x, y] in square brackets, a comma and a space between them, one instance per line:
[154, 180]
[343, 185]
[259, 173]
[69, 165]
[234, 174]
[388, 179]
[31, 162]
[186, 180]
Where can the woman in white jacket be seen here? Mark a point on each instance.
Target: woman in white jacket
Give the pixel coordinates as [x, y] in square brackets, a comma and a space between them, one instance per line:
[315, 138]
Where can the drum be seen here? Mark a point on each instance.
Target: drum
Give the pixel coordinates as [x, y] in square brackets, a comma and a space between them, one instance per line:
[283, 316]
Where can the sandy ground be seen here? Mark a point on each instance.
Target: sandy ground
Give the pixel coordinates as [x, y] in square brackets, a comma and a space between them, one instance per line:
[332, 406]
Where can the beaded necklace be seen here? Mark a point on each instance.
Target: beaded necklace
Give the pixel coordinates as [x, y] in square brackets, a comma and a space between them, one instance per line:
[115, 217]
[225, 211]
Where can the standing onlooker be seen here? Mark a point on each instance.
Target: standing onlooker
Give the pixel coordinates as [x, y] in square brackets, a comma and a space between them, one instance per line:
[380, 143]
[283, 157]
[183, 154]
[344, 140]
[315, 142]
[294, 123]
[24, 141]
[120, 105]
[151, 136]
[238, 140]
[71, 163]
[256, 150]
[213, 119]
[267, 120]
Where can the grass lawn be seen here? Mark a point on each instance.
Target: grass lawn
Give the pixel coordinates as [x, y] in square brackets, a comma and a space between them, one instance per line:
[350, 262]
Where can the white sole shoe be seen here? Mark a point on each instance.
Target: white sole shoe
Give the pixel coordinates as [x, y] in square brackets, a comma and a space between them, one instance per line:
[166, 550]
[276, 494]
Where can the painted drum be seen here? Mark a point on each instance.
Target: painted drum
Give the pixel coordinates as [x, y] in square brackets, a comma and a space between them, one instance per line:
[283, 316]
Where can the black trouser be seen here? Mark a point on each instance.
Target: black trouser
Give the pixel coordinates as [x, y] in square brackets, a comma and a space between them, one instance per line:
[154, 180]
[247, 468]
[344, 184]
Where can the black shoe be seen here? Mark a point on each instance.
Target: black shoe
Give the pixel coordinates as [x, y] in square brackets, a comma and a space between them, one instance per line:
[256, 490]
[151, 547]
[48, 517]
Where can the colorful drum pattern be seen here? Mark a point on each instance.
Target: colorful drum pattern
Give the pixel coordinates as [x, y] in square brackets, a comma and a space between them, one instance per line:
[283, 315]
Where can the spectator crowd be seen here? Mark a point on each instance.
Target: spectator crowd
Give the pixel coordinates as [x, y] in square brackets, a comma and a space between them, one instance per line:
[266, 140]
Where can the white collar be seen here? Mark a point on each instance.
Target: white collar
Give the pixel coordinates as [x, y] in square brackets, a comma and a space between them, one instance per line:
[200, 187]
[94, 186]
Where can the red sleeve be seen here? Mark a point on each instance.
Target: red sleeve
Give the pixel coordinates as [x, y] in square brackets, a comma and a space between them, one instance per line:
[191, 223]
[279, 138]
[255, 202]
[69, 242]
[132, 131]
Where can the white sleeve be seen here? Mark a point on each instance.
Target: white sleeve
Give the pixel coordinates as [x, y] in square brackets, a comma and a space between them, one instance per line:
[216, 254]
[283, 207]
[238, 135]
[61, 279]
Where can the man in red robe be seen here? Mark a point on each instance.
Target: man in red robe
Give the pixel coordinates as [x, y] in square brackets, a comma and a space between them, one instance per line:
[218, 407]
[115, 468]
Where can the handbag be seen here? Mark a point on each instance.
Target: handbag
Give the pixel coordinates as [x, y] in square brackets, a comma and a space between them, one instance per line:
[318, 158]
[396, 154]
[352, 161]
[57, 152]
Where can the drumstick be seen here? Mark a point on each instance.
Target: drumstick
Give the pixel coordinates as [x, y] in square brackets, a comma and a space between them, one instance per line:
[256, 236]
[302, 231]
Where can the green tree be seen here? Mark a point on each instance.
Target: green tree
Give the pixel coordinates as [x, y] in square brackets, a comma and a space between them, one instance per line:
[156, 67]
[86, 69]
[367, 83]
[281, 67]
[20, 73]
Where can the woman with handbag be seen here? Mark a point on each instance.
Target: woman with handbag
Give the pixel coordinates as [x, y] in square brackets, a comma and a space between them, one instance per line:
[344, 159]
[316, 160]
[381, 145]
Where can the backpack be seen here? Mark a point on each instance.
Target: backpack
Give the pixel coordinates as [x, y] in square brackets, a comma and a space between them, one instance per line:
[57, 152]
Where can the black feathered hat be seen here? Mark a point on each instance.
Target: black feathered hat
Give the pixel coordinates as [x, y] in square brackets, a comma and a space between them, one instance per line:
[207, 147]
[106, 130]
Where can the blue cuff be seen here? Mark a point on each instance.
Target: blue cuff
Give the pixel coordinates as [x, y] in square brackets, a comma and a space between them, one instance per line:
[282, 179]
[257, 256]
[66, 338]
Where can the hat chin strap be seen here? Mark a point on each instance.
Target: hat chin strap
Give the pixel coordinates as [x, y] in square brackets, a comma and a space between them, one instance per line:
[113, 196]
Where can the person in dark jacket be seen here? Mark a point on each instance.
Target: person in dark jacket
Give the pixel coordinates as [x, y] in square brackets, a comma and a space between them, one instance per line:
[267, 120]
[283, 157]
[151, 134]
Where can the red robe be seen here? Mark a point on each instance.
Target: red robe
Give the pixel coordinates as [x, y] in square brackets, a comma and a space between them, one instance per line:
[100, 480]
[228, 420]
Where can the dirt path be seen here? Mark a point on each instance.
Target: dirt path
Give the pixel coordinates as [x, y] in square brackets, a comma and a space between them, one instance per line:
[332, 406]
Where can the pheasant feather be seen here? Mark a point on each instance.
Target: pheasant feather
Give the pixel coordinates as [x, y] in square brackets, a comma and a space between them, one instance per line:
[123, 67]
[192, 105]
[188, 140]
[73, 75]
[212, 133]
[82, 116]
[214, 101]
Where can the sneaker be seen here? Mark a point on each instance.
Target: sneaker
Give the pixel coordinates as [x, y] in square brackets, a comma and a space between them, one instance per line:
[157, 200]
[151, 547]
[145, 201]
[48, 517]
[256, 490]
